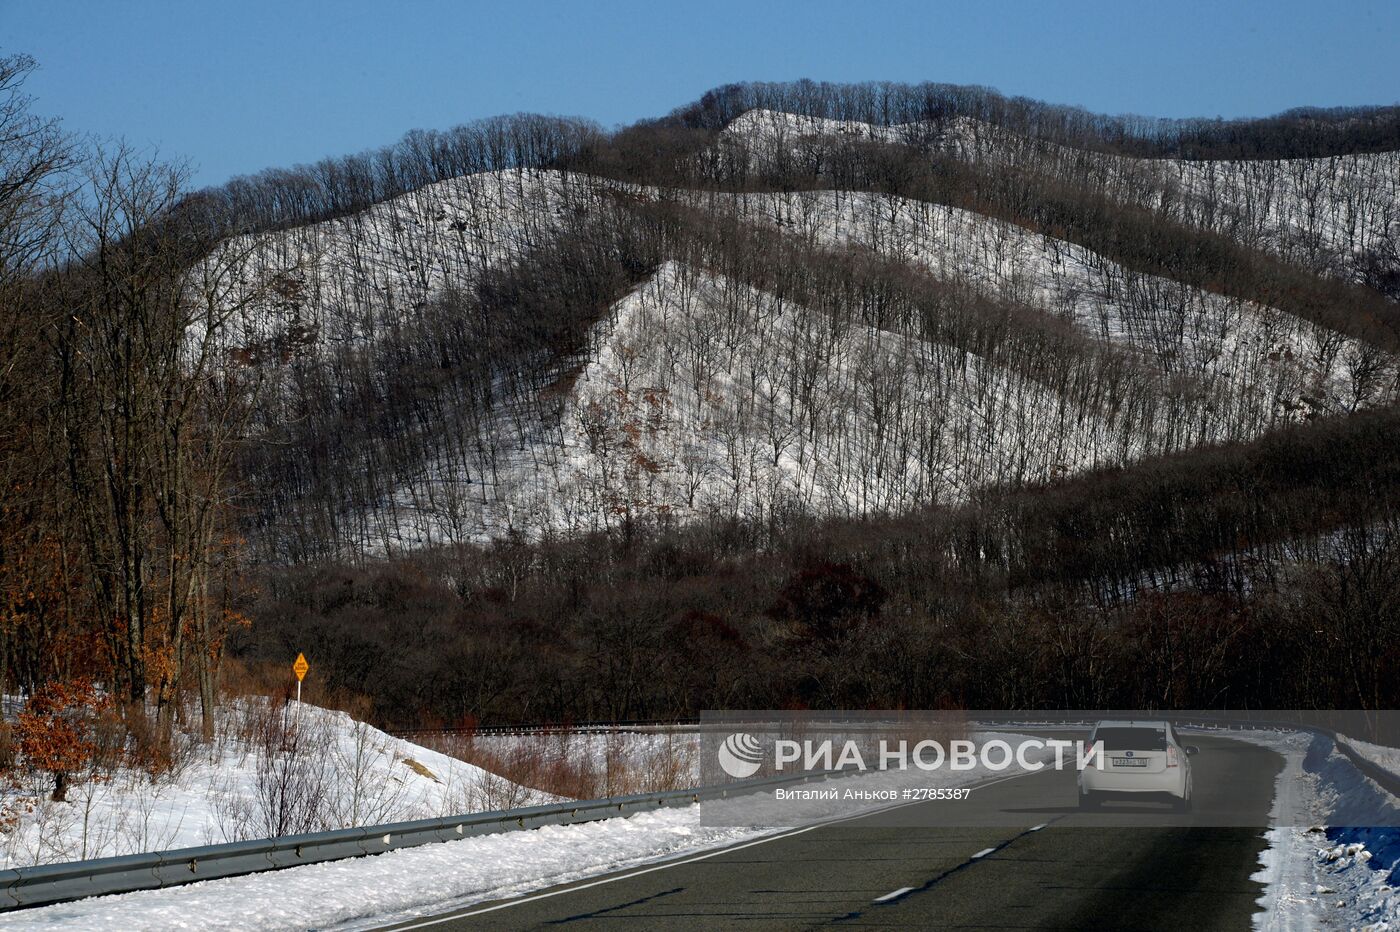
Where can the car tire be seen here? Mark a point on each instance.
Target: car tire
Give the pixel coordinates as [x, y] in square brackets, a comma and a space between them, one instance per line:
[1183, 805]
[1089, 801]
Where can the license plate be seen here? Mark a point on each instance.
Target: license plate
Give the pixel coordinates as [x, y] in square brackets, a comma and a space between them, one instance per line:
[1130, 762]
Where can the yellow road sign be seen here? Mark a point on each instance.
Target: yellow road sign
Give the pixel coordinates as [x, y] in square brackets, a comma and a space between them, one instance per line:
[300, 667]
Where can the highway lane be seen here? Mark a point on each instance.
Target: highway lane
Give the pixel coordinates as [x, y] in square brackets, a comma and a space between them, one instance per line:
[1057, 869]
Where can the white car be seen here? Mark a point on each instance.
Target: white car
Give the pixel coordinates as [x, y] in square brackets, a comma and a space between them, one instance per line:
[1141, 759]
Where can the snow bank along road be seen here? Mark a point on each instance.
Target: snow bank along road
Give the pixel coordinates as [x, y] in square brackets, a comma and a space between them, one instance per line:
[1062, 869]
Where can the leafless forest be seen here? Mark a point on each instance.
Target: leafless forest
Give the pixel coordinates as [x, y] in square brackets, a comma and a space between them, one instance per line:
[802, 395]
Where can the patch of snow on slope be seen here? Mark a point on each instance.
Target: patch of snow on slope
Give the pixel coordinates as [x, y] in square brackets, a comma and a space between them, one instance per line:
[347, 281]
[771, 138]
[771, 400]
[1261, 362]
[708, 397]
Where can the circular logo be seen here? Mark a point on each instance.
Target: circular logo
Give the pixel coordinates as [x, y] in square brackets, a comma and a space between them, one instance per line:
[1127, 753]
[740, 755]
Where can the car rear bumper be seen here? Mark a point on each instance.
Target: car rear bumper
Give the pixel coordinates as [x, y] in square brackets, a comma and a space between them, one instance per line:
[1095, 781]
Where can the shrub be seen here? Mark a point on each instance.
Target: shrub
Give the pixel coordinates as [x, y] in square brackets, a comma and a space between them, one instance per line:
[58, 730]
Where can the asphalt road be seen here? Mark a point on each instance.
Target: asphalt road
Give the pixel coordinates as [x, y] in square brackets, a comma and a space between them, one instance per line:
[1058, 869]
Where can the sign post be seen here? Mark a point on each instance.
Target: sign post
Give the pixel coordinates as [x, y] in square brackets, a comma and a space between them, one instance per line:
[300, 668]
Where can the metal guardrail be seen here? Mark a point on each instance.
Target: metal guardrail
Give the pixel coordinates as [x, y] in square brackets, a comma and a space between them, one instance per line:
[56, 883]
[547, 728]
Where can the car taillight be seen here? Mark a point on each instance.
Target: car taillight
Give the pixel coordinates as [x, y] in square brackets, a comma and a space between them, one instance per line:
[1171, 757]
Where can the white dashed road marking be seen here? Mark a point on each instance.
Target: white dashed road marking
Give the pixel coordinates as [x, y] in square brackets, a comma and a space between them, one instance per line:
[893, 895]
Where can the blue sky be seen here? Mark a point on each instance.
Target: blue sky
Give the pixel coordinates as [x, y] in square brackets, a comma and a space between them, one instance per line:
[240, 85]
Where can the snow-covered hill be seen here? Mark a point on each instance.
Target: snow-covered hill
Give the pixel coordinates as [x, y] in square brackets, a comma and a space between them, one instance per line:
[273, 769]
[699, 394]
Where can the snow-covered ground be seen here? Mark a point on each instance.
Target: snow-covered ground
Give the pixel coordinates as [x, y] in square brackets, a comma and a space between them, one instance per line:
[878, 421]
[708, 397]
[1387, 757]
[768, 139]
[270, 770]
[705, 396]
[1319, 873]
[346, 282]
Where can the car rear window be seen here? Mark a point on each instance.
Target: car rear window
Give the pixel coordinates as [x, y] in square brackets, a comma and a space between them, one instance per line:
[1132, 739]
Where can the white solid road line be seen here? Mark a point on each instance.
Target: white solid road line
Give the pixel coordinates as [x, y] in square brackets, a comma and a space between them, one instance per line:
[1040, 826]
[983, 853]
[893, 894]
[679, 862]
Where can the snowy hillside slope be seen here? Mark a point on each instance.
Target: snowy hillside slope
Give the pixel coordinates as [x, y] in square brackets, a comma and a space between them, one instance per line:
[766, 136]
[694, 407]
[348, 281]
[272, 769]
[351, 279]
[1321, 212]
[874, 421]
[693, 404]
[1304, 209]
[1261, 362]
[699, 396]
